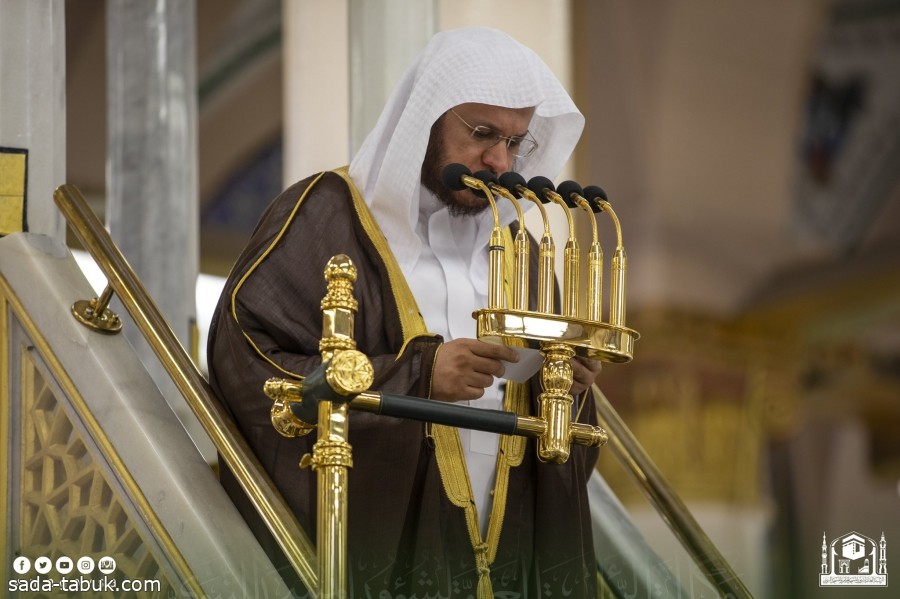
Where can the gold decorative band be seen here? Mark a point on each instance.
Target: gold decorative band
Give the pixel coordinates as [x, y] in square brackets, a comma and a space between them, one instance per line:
[331, 453]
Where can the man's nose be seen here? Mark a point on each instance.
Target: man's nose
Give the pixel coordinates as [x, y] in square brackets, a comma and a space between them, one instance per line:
[497, 158]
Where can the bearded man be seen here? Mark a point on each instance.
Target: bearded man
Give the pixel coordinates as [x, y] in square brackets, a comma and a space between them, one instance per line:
[433, 510]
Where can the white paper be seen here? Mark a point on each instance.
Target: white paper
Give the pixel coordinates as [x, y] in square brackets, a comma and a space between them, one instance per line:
[529, 363]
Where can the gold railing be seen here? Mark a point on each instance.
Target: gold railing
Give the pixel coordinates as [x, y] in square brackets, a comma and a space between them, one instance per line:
[217, 423]
[631, 455]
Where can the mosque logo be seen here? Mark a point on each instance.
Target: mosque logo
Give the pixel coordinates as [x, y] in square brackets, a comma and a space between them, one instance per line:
[854, 560]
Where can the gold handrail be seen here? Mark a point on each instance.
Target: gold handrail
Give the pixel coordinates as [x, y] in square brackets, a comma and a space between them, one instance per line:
[217, 423]
[631, 455]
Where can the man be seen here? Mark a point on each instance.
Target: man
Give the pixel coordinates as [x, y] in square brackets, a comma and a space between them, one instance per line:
[432, 510]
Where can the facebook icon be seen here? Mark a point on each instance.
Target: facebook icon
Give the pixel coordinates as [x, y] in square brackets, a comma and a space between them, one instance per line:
[22, 565]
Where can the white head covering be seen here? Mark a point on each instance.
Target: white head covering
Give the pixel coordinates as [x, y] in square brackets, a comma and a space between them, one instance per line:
[456, 67]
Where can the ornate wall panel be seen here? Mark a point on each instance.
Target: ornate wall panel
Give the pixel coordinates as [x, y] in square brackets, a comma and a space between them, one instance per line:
[66, 492]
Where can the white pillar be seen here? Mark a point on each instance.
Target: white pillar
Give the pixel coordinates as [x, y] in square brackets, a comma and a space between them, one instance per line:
[316, 113]
[152, 203]
[385, 36]
[342, 60]
[32, 114]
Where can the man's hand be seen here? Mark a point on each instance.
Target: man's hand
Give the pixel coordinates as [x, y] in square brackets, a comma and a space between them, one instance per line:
[584, 373]
[463, 368]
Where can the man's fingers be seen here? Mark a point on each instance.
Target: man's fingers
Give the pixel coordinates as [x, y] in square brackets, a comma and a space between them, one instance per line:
[474, 392]
[478, 379]
[488, 366]
[585, 373]
[494, 351]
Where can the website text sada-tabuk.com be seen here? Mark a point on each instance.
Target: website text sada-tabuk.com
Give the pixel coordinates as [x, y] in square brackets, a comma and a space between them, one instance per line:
[82, 584]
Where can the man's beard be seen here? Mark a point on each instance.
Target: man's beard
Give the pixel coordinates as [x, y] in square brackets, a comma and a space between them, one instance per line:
[432, 169]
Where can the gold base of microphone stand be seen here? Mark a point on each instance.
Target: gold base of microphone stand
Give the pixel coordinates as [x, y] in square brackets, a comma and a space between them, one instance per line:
[559, 338]
[591, 339]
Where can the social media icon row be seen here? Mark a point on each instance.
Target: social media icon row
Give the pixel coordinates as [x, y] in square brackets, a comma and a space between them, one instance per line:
[65, 565]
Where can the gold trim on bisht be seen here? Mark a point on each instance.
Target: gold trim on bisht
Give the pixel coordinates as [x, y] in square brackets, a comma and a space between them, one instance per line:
[411, 321]
[448, 447]
[246, 275]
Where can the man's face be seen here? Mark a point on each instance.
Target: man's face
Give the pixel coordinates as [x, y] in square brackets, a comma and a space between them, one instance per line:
[452, 141]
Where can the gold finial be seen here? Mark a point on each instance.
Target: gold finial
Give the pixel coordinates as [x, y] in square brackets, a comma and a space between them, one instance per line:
[340, 274]
[340, 267]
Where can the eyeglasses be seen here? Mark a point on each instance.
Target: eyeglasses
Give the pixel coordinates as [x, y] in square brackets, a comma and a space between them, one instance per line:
[519, 146]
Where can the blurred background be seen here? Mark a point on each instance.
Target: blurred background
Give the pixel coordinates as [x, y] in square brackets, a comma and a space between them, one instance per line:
[752, 152]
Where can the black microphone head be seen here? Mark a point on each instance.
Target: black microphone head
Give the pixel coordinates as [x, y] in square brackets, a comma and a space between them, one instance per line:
[452, 176]
[511, 180]
[592, 192]
[566, 189]
[486, 177]
[538, 185]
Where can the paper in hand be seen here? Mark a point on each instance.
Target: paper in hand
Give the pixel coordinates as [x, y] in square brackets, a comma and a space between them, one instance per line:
[529, 363]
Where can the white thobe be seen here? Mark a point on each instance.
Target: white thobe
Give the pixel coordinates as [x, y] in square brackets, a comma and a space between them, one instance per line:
[449, 284]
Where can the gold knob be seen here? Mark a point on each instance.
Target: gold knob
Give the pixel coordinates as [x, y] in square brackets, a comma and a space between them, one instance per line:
[350, 372]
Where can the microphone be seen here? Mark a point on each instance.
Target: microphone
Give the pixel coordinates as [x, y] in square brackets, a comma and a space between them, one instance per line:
[491, 182]
[595, 192]
[543, 187]
[457, 177]
[573, 194]
[453, 175]
[540, 186]
[515, 183]
[486, 177]
[619, 267]
[568, 190]
[520, 243]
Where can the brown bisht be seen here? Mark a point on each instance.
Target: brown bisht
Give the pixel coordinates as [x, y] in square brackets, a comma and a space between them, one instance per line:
[413, 529]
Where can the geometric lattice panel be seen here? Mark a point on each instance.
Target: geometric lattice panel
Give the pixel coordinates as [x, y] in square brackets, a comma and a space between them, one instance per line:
[67, 505]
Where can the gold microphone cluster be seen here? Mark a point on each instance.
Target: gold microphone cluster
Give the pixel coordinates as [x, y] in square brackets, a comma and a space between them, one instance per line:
[559, 334]
[574, 322]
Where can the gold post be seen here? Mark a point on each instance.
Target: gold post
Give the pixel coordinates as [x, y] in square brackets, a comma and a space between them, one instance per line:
[617, 293]
[495, 249]
[546, 256]
[571, 256]
[520, 289]
[520, 277]
[595, 265]
[332, 457]
[495, 272]
[619, 269]
[595, 283]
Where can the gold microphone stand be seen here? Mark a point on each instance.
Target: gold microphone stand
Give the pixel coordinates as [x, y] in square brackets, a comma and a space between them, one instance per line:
[560, 337]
